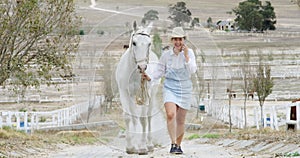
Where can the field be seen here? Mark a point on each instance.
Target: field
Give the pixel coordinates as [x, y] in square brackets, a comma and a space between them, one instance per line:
[219, 54]
[222, 51]
[107, 31]
[106, 27]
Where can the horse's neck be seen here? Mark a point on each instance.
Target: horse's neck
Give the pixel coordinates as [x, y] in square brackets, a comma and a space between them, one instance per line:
[127, 66]
[129, 60]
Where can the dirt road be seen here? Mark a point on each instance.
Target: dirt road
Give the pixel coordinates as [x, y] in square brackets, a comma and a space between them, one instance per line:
[192, 149]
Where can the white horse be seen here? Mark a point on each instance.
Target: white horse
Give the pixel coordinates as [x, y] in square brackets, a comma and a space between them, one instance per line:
[138, 111]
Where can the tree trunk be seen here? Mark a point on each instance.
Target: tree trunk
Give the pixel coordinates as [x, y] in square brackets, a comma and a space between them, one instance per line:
[245, 111]
[229, 112]
[261, 116]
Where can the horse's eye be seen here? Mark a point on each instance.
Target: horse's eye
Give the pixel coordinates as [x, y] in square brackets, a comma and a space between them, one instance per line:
[149, 44]
[134, 43]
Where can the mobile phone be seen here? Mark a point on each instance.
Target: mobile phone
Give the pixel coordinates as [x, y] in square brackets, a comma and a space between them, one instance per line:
[183, 46]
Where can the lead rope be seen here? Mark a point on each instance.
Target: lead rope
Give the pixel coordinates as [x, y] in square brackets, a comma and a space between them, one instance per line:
[142, 96]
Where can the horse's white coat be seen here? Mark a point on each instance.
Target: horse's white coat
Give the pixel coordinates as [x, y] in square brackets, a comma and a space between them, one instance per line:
[138, 118]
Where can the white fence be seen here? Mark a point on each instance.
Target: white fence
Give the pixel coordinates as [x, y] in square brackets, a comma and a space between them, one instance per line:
[30, 121]
[270, 115]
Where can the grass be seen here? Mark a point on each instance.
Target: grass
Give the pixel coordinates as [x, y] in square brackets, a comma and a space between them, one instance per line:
[292, 154]
[207, 135]
[193, 136]
[211, 135]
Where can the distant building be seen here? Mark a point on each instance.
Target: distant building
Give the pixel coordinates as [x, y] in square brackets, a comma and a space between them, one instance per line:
[226, 25]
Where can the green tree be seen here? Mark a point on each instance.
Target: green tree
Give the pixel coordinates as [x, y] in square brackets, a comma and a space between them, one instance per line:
[157, 44]
[269, 17]
[180, 14]
[38, 39]
[151, 15]
[195, 22]
[209, 22]
[263, 84]
[251, 15]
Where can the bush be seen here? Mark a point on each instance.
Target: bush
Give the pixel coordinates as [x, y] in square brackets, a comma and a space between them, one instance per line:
[42, 119]
[22, 110]
[81, 32]
[100, 32]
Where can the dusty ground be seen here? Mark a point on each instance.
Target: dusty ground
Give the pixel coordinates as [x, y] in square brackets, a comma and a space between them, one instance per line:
[73, 144]
[108, 141]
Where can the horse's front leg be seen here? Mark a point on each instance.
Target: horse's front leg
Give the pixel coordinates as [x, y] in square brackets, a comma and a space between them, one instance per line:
[150, 145]
[130, 122]
[153, 106]
[130, 148]
[143, 143]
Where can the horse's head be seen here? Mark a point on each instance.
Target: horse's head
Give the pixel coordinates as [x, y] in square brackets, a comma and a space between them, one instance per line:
[140, 45]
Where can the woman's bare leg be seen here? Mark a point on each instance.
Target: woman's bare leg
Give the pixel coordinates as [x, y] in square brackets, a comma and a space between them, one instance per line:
[171, 109]
[180, 122]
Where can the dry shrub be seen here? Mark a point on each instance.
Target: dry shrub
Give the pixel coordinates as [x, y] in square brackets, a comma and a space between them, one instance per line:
[82, 133]
[4, 134]
[269, 135]
[8, 133]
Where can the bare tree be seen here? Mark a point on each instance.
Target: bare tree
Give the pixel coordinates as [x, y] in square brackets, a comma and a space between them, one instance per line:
[108, 73]
[247, 76]
[263, 84]
[38, 39]
[229, 104]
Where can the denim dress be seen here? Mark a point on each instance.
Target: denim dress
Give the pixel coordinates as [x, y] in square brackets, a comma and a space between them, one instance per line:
[178, 86]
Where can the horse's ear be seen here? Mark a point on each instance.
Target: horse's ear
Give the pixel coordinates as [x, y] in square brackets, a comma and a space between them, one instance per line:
[149, 28]
[134, 26]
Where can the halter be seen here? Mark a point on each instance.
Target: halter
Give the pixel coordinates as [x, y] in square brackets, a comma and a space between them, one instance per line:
[147, 56]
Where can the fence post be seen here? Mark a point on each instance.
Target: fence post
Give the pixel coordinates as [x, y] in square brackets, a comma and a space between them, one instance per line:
[32, 124]
[17, 114]
[256, 117]
[68, 117]
[1, 122]
[53, 119]
[275, 118]
[298, 115]
[8, 119]
[26, 121]
[65, 117]
[59, 118]
[242, 117]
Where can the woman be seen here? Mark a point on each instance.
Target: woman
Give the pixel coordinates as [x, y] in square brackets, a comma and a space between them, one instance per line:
[176, 65]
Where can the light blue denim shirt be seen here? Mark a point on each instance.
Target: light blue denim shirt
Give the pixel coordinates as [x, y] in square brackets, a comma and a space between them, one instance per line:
[177, 62]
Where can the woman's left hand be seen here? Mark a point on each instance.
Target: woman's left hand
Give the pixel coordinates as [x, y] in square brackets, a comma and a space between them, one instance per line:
[145, 77]
[186, 52]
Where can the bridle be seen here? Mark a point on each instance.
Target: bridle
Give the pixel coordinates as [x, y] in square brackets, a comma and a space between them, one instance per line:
[146, 59]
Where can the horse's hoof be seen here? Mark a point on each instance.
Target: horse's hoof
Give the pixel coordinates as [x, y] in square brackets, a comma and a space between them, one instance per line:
[150, 148]
[131, 151]
[143, 152]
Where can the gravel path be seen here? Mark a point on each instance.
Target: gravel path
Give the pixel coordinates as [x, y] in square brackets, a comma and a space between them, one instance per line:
[192, 149]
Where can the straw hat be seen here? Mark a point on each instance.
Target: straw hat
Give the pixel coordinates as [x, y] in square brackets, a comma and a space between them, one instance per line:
[178, 32]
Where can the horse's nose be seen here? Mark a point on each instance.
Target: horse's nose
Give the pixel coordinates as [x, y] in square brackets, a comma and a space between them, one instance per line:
[142, 68]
